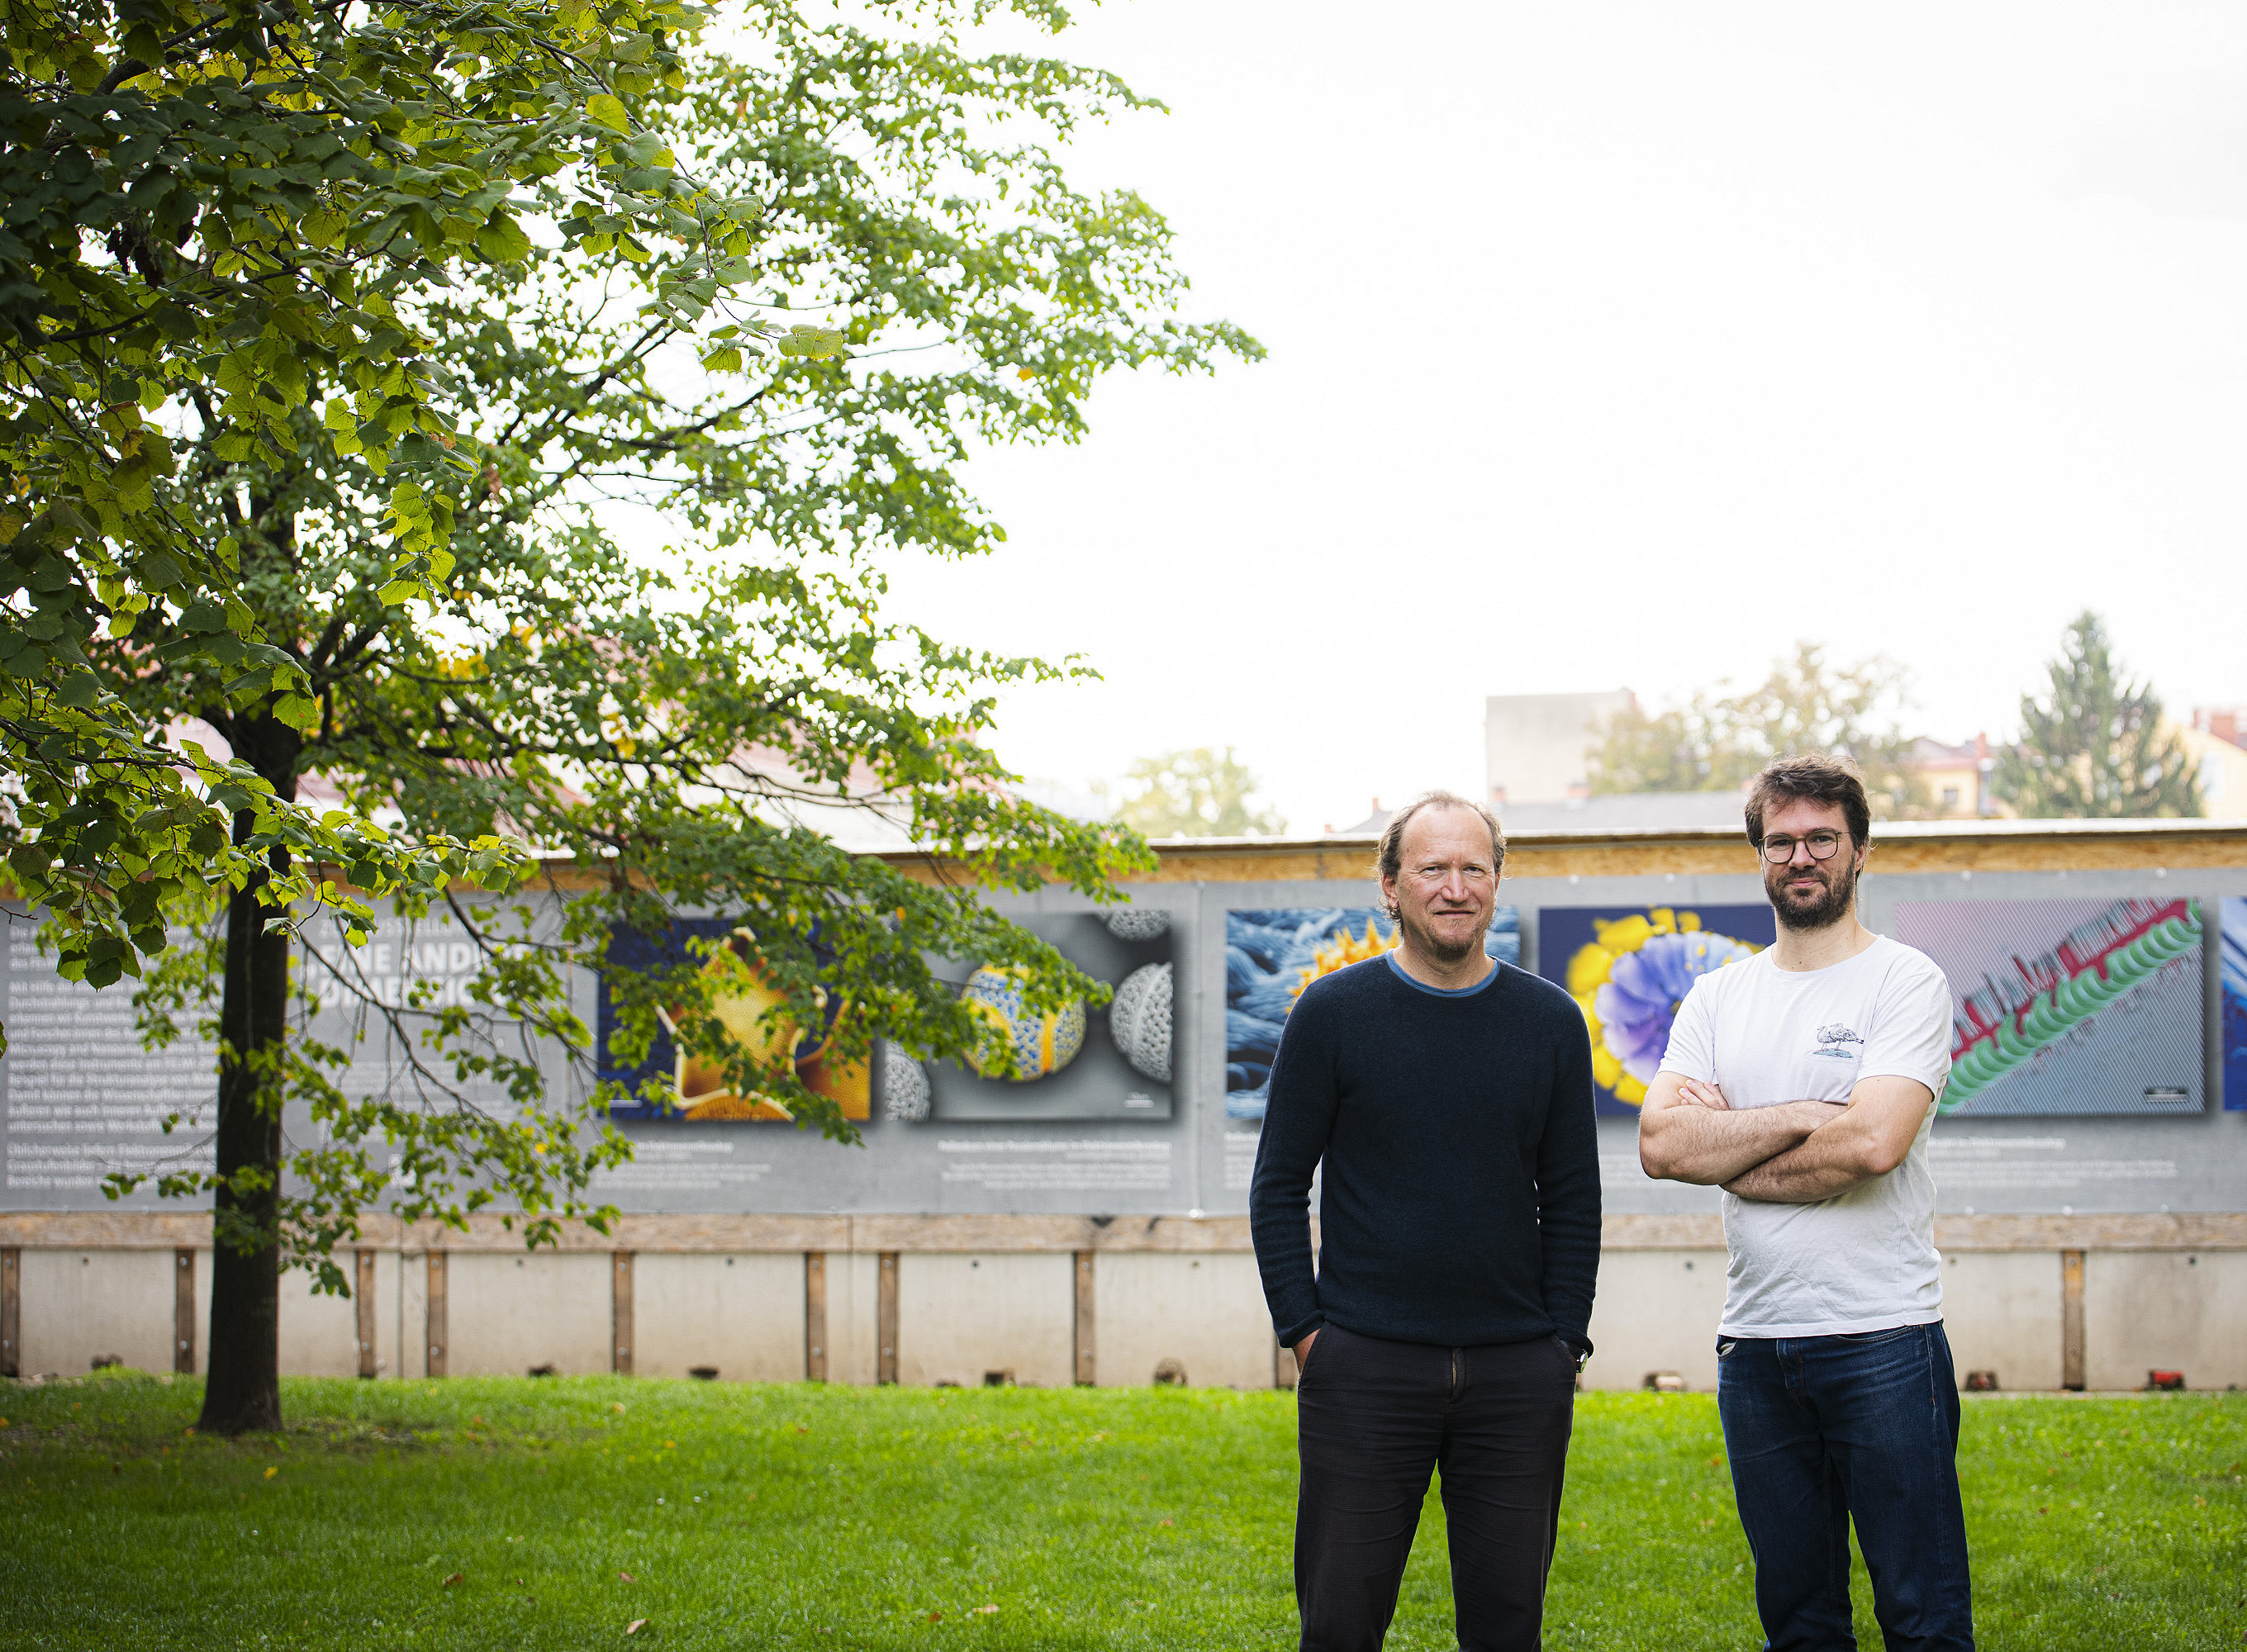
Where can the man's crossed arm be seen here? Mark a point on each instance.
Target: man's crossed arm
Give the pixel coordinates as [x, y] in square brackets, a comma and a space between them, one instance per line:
[1794, 1153]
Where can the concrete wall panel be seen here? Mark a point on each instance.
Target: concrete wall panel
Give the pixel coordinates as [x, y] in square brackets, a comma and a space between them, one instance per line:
[511, 1314]
[1657, 1311]
[319, 1334]
[2001, 1312]
[959, 1317]
[81, 1304]
[413, 1314]
[1206, 1311]
[851, 1312]
[202, 1312]
[743, 1314]
[2160, 1311]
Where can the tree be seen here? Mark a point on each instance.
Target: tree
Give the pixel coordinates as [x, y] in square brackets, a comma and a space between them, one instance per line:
[2095, 747]
[1718, 742]
[668, 724]
[1201, 793]
[219, 200]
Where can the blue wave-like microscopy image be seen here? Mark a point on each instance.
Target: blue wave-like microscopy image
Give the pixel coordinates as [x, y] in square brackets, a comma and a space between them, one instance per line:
[1266, 953]
[2233, 969]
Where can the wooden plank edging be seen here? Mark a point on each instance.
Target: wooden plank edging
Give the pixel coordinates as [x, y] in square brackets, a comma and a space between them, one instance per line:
[736, 1235]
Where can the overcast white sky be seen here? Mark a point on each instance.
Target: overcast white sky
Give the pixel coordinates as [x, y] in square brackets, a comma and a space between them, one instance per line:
[1619, 345]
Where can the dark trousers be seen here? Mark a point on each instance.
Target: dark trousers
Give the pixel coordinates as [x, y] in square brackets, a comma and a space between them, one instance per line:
[1373, 1417]
[1822, 1430]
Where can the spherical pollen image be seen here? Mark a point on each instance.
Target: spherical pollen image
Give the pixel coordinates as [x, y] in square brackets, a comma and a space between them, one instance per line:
[1042, 1043]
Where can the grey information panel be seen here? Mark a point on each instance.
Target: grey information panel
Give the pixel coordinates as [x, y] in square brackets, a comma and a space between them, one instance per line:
[78, 1096]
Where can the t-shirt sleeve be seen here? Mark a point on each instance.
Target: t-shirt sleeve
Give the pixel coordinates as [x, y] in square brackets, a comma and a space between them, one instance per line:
[1910, 1035]
[1692, 1052]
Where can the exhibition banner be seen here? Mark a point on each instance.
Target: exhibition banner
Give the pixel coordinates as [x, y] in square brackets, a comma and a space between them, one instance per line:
[1272, 953]
[1628, 968]
[2068, 1007]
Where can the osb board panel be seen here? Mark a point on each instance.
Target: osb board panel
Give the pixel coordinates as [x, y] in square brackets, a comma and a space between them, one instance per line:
[1986, 846]
[137, 1230]
[1904, 846]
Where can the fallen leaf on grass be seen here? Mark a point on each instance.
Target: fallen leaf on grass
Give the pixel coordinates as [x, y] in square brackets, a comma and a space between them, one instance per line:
[936, 1617]
[626, 1577]
[979, 1610]
[1166, 1522]
[270, 1473]
[802, 1428]
[457, 1577]
[635, 1626]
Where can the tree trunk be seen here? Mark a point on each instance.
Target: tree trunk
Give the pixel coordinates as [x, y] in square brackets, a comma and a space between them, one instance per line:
[244, 1389]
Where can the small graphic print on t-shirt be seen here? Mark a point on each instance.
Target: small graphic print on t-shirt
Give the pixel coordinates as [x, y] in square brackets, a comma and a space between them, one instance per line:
[1833, 1042]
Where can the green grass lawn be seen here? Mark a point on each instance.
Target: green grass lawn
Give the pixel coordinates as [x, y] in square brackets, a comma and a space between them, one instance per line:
[472, 1513]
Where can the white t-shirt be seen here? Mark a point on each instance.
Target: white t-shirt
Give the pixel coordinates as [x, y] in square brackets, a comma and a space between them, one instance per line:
[1864, 1260]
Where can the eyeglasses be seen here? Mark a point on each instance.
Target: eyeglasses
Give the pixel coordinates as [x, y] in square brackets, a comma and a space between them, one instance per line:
[1822, 846]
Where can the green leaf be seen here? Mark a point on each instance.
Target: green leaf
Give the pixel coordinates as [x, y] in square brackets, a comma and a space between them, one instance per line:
[298, 712]
[503, 240]
[603, 110]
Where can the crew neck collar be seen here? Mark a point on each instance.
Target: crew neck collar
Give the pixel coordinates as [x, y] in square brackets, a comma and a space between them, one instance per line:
[1879, 939]
[1404, 975]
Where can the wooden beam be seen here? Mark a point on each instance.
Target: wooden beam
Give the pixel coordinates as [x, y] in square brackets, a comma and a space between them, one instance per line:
[620, 1312]
[1086, 1347]
[363, 1300]
[737, 1235]
[2071, 1320]
[183, 1310]
[12, 1312]
[885, 1319]
[437, 1307]
[815, 1316]
[1898, 846]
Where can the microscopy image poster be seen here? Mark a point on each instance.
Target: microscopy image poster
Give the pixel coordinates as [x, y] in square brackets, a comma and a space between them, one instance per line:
[2067, 1006]
[1078, 1063]
[1628, 968]
[1271, 954]
[2233, 971]
[693, 1089]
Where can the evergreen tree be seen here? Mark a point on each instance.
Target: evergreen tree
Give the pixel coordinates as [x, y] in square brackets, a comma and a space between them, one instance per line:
[2095, 747]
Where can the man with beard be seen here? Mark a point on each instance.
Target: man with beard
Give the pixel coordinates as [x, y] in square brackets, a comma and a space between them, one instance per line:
[1803, 1082]
[1450, 1098]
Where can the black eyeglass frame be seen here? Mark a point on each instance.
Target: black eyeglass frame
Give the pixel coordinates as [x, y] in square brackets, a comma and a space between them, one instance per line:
[1808, 840]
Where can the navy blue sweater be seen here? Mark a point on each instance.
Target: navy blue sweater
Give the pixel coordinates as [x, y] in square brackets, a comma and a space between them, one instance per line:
[1460, 1203]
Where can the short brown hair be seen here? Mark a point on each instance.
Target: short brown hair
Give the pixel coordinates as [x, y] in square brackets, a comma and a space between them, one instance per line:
[1390, 860]
[1817, 777]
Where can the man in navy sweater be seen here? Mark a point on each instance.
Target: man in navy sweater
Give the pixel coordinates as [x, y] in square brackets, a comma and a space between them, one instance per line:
[1450, 1099]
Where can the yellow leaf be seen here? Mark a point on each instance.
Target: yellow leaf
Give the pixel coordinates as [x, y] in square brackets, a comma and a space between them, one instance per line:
[606, 111]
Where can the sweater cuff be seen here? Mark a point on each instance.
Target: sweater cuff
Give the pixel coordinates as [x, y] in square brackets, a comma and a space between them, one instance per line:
[1290, 1335]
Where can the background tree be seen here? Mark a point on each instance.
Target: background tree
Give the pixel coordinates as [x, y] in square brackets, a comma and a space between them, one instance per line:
[1718, 741]
[2094, 748]
[649, 638]
[1201, 793]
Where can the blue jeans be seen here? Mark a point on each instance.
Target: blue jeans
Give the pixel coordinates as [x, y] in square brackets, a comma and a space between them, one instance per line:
[1825, 1429]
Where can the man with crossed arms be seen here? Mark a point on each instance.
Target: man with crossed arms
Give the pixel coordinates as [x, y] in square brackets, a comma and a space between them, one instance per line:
[1803, 1082]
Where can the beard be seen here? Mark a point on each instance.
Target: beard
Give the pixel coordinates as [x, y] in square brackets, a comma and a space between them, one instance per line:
[1828, 907]
[1434, 946]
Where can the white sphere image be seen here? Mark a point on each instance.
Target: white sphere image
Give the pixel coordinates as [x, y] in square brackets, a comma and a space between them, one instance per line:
[905, 1086]
[1139, 923]
[1140, 1021]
